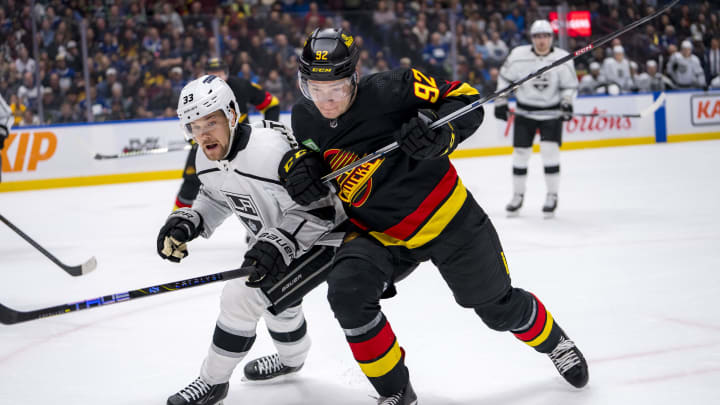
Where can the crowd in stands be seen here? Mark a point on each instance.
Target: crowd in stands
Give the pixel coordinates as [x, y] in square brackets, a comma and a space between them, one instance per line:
[140, 54]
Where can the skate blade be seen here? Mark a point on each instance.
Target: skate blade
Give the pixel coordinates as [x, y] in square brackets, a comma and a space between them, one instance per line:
[512, 214]
[549, 215]
[274, 380]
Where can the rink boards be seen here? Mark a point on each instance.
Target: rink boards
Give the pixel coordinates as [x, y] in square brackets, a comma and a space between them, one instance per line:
[63, 155]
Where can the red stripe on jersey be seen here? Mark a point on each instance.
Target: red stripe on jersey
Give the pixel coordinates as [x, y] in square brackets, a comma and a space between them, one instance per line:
[405, 228]
[537, 326]
[266, 102]
[453, 85]
[374, 347]
[359, 224]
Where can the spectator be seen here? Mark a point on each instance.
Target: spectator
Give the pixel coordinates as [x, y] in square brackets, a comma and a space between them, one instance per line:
[17, 108]
[24, 63]
[29, 92]
[712, 59]
[497, 49]
[29, 118]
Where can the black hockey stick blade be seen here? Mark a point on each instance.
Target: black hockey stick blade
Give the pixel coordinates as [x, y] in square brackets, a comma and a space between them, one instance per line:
[9, 316]
[503, 92]
[74, 271]
[142, 152]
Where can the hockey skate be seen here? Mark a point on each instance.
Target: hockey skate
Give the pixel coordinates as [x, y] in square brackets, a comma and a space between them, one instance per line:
[569, 361]
[405, 397]
[199, 392]
[513, 207]
[268, 367]
[548, 208]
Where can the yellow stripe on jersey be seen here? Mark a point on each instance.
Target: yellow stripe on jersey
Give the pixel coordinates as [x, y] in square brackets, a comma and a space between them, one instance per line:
[434, 226]
[464, 90]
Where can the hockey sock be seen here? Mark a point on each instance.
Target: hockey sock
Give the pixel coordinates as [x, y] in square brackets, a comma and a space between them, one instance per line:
[520, 159]
[228, 348]
[550, 152]
[378, 354]
[540, 331]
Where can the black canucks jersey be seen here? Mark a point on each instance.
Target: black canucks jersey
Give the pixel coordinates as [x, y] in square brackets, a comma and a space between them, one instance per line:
[397, 199]
[247, 92]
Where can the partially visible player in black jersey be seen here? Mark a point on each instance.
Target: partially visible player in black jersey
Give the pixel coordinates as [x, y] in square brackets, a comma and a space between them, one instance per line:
[408, 206]
[246, 92]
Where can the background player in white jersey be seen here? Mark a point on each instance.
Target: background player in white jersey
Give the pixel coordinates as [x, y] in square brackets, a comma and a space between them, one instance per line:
[651, 79]
[594, 82]
[616, 69]
[552, 91]
[685, 68]
[291, 249]
[6, 121]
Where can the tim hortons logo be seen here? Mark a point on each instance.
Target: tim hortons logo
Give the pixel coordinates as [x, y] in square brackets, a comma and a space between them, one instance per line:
[356, 185]
[588, 124]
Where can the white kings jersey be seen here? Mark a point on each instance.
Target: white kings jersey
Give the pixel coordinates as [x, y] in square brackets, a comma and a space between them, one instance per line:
[686, 72]
[546, 91]
[248, 186]
[618, 73]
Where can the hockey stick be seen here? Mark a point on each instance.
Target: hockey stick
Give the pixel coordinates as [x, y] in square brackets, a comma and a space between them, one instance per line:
[503, 92]
[9, 316]
[74, 271]
[554, 113]
[145, 152]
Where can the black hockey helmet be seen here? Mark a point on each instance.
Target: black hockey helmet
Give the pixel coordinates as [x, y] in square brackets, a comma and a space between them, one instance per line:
[328, 54]
[215, 64]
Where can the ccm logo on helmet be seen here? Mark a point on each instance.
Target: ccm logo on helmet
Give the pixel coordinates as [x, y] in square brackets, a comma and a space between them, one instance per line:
[322, 70]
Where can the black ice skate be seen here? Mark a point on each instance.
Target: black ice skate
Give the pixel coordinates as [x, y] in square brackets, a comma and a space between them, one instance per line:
[199, 392]
[405, 397]
[513, 207]
[551, 201]
[569, 361]
[268, 367]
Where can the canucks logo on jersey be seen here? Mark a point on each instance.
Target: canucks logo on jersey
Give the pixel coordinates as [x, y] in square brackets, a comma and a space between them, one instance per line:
[355, 186]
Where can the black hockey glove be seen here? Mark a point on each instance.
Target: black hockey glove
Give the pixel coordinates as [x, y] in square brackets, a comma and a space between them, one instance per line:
[420, 142]
[567, 111]
[501, 112]
[182, 226]
[3, 134]
[270, 256]
[301, 172]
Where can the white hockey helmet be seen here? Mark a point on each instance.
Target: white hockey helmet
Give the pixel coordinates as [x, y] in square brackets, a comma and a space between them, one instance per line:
[541, 27]
[204, 96]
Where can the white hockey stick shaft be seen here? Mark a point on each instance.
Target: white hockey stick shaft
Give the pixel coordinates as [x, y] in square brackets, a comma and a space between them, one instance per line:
[145, 152]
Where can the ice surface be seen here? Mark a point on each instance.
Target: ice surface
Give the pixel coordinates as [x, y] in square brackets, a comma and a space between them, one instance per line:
[630, 267]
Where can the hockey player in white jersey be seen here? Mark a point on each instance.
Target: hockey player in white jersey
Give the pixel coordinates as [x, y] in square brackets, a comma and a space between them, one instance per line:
[685, 68]
[291, 249]
[553, 91]
[593, 82]
[616, 70]
[6, 121]
[651, 79]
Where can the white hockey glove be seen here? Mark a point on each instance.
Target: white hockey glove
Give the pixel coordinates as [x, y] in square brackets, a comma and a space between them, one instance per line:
[182, 226]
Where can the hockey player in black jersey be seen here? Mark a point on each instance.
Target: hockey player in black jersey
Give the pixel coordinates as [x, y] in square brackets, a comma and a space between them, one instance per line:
[246, 92]
[408, 206]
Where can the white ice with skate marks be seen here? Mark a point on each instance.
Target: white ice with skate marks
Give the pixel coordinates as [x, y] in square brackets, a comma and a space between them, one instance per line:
[628, 267]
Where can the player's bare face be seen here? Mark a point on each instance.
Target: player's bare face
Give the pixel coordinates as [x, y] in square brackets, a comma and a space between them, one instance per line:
[331, 98]
[541, 43]
[212, 135]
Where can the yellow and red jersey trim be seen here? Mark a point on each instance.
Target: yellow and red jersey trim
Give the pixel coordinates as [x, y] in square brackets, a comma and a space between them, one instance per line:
[430, 218]
[269, 101]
